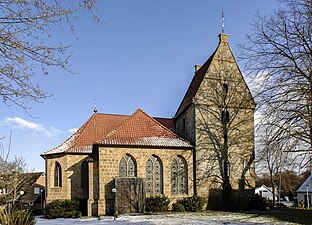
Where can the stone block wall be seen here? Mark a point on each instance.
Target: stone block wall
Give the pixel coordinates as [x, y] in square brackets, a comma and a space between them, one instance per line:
[71, 177]
[101, 175]
[109, 158]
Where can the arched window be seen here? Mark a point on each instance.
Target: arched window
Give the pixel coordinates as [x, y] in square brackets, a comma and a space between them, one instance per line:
[127, 167]
[57, 175]
[154, 177]
[179, 175]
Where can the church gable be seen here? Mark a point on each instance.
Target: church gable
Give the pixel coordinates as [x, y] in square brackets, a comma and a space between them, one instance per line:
[223, 75]
[220, 66]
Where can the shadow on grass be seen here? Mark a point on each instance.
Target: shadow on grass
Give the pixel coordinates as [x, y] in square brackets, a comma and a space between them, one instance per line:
[301, 216]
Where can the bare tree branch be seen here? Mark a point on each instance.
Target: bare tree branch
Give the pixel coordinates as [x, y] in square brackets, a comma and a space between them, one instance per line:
[26, 44]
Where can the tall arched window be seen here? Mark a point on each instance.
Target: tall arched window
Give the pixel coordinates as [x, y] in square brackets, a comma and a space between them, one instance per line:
[179, 175]
[154, 177]
[127, 167]
[57, 175]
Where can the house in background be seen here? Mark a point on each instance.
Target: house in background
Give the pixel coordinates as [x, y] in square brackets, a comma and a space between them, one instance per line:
[30, 191]
[304, 192]
[33, 188]
[266, 192]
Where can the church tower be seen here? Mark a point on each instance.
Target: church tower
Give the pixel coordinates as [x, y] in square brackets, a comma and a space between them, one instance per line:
[217, 116]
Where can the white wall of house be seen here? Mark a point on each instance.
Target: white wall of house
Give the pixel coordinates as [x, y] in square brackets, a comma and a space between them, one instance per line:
[305, 190]
[265, 192]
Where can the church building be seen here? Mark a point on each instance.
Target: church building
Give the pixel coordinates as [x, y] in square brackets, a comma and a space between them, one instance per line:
[115, 161]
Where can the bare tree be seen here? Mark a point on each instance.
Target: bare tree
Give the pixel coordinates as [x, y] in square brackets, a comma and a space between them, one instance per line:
[278, 53]
[12, 177]
[26, 44]
[225, 128]
[274, 156]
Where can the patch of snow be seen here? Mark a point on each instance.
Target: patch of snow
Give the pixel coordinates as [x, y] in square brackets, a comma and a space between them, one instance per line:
[208, 218]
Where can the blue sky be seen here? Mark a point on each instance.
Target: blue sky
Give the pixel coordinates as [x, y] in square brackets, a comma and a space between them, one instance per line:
[143, 57]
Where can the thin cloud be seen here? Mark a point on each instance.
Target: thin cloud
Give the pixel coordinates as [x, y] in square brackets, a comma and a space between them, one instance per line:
[19, 123]
[73, 130]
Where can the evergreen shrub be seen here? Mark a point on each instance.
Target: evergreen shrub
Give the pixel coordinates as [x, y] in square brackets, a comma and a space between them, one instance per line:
[178, 207]
[258, 203]
[192, 204]
[158, 203]
[62, 208]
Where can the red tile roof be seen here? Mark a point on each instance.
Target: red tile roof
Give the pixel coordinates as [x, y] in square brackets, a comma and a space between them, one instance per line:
[97, 126]
[120, 130]
[142, 130]
[169, 123]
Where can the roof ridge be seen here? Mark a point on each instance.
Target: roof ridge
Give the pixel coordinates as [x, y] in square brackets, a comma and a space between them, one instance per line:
[83, 128]
[148, 117]
[165, 127]
[156, 117]
[120, 127]
[88, 123]
[112, 114]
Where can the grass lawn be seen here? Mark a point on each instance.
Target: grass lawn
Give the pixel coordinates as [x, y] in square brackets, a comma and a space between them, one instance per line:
[300, 216]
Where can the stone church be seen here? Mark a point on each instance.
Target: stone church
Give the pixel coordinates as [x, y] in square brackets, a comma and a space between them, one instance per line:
[115, 161]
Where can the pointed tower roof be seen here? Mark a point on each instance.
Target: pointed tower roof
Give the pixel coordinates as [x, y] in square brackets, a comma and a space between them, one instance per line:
[142, 130]
[202, 71]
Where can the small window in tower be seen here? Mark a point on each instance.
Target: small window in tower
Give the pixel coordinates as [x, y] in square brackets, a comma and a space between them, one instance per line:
[183, 123]
[225, 88]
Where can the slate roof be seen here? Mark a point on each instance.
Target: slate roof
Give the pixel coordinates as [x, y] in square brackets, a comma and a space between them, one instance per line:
[112, 129]
[305, 184]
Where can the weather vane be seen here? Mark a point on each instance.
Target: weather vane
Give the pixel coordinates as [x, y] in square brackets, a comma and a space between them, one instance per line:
[222, 21]
[95, 109]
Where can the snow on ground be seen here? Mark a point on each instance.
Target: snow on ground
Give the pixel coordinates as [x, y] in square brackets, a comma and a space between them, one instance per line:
[209, 218]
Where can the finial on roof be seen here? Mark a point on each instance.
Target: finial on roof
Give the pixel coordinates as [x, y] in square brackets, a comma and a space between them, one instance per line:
[223, 37]
[222, 30]
[95, 109]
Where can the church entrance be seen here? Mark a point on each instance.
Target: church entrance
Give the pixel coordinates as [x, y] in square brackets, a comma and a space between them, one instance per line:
[130, 195]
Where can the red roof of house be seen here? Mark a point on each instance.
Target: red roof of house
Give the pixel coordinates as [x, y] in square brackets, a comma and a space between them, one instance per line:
[120, 130]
